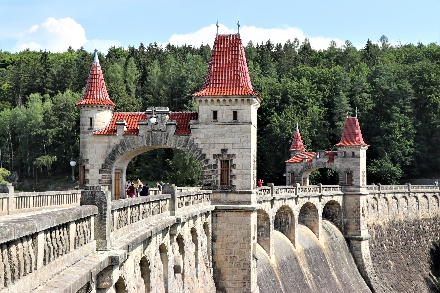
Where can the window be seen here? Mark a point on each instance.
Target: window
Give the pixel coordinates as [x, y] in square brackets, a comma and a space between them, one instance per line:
[348, 178]
[352, 154]
[214, 115]
[91, 122]
[292, 178]
[234, 115]
[224, 172]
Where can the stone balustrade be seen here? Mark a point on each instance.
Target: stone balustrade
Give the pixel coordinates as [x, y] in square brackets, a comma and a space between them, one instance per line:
[16, 202]
[407, 187]
[265, 193]
[132, 213]
[188, 198]
[44, 243]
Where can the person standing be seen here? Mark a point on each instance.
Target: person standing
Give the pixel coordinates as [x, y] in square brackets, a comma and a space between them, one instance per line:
[131, 192]
[139, 186]
[159, 187]
[260, 183]
[145, 190]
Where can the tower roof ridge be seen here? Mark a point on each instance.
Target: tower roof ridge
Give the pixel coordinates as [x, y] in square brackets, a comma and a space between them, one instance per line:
[96, 91]
[351, 135]
[228, 73]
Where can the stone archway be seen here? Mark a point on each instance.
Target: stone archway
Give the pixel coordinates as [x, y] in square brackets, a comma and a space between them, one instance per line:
[129, 147]
[263, 230]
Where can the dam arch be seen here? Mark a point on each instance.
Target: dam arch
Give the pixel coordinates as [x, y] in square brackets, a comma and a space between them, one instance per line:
[284, 222]
[264, 230]
[309, 217]
[332, 211]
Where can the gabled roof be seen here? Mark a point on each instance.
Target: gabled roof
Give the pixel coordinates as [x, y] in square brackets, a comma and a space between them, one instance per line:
[132, 119]
[227, 72]
[96, 91]
[297, 143]
[351, 135]
[310, 155]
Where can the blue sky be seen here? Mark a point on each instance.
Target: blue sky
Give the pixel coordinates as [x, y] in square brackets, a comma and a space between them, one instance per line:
[56, 24]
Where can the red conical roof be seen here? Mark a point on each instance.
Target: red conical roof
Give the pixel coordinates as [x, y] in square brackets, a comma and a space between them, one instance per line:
[96, 92]
[351, 135]
[297, 143]
[227, 73]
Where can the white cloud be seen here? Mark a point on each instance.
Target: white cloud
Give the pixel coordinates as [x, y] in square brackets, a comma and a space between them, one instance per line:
[56, 35]
[206, 35]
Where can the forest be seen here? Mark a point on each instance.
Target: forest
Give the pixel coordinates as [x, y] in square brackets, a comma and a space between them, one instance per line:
[395, 89]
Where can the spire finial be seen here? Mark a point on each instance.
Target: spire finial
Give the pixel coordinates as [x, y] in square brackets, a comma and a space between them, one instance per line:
[95, 58]
[297, 126]
[356, 112]
[238, 24]
[217, 26]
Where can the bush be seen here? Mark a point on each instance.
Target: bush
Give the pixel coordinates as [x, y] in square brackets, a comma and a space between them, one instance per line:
[4, 174]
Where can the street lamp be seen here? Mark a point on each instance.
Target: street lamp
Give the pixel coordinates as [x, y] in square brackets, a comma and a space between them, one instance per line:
[73, 164]
[153, 118]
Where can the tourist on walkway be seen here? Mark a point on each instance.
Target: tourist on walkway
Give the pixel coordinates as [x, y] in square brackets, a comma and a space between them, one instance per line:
[131, 191]
[145, 190]
[260, 183]
[159, 187]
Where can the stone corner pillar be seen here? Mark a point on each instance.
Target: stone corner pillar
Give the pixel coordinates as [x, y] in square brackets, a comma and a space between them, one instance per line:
[356, 232]
[99, 196]
[234, 243]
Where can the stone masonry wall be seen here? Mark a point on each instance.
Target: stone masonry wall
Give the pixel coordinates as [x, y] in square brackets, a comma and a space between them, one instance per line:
[400, 252]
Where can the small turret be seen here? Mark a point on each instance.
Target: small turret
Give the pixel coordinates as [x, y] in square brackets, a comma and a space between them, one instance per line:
[95, 106]
[297, 146]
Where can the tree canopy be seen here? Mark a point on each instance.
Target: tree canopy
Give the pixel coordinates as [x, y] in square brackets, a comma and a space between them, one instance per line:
[396, 90]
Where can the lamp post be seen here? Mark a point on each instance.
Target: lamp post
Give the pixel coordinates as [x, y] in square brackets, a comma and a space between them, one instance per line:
[153, 118]
[73, 164]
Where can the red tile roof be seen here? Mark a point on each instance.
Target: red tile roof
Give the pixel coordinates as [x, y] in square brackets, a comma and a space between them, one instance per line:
[228, 72]
[183, 119]
[297, 143]
[351, 135]
[132, 119]
[96, 91]
[299, 157]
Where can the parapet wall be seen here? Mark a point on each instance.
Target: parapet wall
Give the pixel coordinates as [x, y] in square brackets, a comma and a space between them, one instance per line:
[403, 222]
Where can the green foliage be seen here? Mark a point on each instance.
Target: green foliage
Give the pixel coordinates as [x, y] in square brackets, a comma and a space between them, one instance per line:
[395, 88]
[3, 174]
[45, 161]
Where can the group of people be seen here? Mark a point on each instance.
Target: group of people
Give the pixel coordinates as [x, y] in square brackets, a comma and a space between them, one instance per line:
[142, 190]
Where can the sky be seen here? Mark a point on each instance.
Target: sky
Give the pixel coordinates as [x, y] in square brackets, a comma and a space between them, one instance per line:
[54, 25]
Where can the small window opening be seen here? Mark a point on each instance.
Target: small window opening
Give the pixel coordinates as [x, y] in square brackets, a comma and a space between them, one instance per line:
[91, 122]
[348, 178]
[234, 115]
[352, 154]
[224, 172]
[214, 115]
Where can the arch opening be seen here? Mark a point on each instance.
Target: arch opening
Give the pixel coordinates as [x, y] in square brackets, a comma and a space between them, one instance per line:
[151, 164]
[333, 212]
[285, 223]
[146, 273]
[208, 242]
[164, 259]
[309, 217]
[179, 265]
[263, 230]
[120, 286]
[324, 176]
[196, 249]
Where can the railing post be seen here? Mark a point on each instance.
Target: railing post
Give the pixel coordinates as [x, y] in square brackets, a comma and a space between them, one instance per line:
[409, 186]
[11, 204]
[272, 187]
[320, 187]
[99, 196]
[171, 189]
[379, 187]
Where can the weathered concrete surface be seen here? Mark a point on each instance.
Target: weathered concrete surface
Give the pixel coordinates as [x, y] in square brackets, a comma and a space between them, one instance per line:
[324, 265]
[400, 251]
